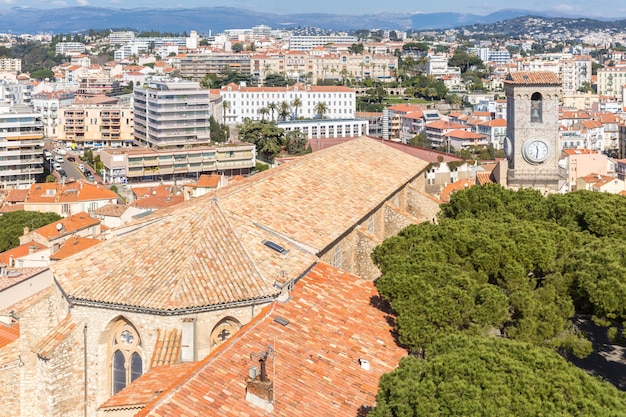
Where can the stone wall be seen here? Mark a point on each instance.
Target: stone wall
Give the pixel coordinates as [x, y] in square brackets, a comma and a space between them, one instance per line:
[60, 378]
[10, 366]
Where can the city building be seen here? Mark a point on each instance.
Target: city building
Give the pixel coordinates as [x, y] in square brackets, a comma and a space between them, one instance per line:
[11, 65]
[21, 146]
[126, 165]
[98, 85]
[96, 122]
[50, 105]
[327, 128]
[245, 102]
[69, 48]
[308, 42]
[197, 66]
[68, 198]
[177, 287]
[171, 113]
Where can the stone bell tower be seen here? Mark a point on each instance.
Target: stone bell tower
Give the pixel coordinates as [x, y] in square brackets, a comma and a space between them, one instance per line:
[532, 143]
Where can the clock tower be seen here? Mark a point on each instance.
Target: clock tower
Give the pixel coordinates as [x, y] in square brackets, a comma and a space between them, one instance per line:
[532, 143]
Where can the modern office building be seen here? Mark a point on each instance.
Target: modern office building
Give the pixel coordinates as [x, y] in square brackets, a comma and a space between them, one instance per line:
[21, 146]
[172, 114]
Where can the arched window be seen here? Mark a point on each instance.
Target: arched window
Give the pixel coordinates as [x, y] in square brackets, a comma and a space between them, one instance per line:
[126, 362]
[536, 108]
[223, 331]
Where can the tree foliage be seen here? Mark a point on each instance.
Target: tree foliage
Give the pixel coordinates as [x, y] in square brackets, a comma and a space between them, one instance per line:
[267, 137]
[472, 376]
[12, 226]
[535, 260]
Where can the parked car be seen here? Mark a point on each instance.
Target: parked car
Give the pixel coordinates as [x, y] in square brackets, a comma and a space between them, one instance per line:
[89, 176]
[82, 168]
[56, 166]
[60, 151]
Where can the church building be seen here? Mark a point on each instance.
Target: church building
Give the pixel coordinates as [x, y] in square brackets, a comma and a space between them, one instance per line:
[176, 286]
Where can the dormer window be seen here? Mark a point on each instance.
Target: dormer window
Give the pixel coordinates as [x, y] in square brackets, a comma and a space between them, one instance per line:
[536, 110]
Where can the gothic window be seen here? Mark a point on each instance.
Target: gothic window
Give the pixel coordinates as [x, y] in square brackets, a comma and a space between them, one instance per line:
[126, 362]
[536, 108]
[223, 331]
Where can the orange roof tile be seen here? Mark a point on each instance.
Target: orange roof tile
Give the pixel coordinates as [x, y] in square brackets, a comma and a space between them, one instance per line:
[532, 78]
[48, 344]
[445, 124]
[208, 181]
[71, 224]
[73, 246]
[9, 333]
[333, 320]
[167, 348]
[447, 192]
[156, 202]
[19, 251]
[148, 386]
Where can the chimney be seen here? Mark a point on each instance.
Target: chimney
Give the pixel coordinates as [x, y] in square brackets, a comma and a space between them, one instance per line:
[32, 249]
[259, 389]
[26, 230]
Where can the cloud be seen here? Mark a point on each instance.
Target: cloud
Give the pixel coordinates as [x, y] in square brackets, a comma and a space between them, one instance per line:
[83, 2]
[7, 1]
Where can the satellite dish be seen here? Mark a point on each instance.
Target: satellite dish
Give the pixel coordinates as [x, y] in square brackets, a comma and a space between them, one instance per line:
[59, 226]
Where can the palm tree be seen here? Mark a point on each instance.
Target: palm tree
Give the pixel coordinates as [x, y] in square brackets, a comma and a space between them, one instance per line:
[344, 75]
[272, 107]
[263, 111]
[284, 110]
[321, 109]
[225, 107]
[297, 103]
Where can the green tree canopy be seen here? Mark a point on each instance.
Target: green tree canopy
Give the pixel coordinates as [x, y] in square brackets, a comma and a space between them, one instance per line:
[12, 226]
[472, 376]
[267, 137]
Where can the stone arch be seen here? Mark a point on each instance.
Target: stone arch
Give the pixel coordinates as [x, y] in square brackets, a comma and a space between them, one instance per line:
[223, 331]
[124, 353]
[536, 107]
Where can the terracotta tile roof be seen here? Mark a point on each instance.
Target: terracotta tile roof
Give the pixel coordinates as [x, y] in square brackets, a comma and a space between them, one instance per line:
[167, 348]
[156, 202]
[9, 333]
[447, 192]
[16, 196]
[464, 134]
[19, 251]
[405, 108]
[48, 344]
[69, 192]
[304, 192]
[71, 224]
[111, 210]
[211, 250]
[208, 181]
[159, 190]
[532, 78]
[145, 388]
[73, 246]
[333, 320]
[483, 178]
[445, 125]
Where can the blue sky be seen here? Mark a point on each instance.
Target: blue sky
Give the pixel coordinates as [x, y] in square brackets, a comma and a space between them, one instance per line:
[605, 8]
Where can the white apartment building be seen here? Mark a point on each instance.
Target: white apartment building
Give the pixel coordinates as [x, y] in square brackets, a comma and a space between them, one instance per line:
[336, 66]
[69, 48]
[121, 38]
[10, 65]
[50, 106]
[171, 113]
[245, 102]
[327, 128]
[611, 82]
[21, 146]
[308, 42]
[574, 71]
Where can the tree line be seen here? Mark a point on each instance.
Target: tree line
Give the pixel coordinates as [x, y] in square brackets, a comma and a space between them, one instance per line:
[511, 264]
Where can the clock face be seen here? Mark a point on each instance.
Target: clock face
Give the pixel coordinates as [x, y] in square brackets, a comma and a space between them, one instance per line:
[536, 151]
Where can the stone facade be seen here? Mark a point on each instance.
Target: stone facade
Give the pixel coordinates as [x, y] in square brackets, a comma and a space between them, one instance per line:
[532, 106]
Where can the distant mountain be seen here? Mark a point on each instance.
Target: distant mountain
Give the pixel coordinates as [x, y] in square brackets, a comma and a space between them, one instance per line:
[77, 19]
